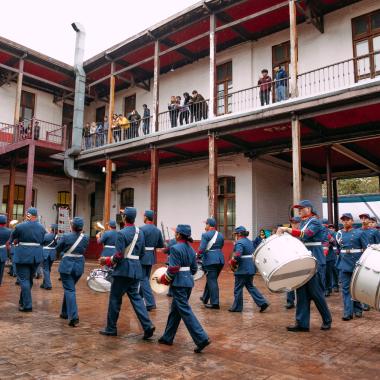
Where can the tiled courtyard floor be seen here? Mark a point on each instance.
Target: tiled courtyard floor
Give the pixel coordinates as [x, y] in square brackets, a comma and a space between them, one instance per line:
[249, 345]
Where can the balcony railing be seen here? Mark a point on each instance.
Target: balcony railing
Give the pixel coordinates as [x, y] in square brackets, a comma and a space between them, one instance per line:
[323, 80]
[33, 129]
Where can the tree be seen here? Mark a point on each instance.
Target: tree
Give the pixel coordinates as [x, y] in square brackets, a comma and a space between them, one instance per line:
[367, 185]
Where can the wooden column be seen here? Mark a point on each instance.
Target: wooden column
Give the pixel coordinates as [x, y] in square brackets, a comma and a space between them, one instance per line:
[336, 204]
[108, 182]
[212, 175]
[156, 85]
[293, 49]
[18, 92]
[29, 175]
[11, 188]
[329, 185]
[154, 166]
[296, 159]
[211, 107]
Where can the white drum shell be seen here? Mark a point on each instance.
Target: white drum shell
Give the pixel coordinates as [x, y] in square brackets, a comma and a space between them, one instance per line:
[97, 281]
[365, 282]
[284, 262]
[200, 273]
[158, 288]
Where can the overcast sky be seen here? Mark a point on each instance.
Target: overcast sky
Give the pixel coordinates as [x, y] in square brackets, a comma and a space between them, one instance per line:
[44, 25]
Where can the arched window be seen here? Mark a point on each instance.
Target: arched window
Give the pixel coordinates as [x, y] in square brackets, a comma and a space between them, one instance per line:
[226, 206]
[127, 197]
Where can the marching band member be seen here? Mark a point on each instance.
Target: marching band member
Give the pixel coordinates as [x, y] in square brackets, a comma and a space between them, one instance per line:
[28, 238]
[352, 242]
[127, 273]
[210, 250]
[311, 234]
[182, 265]
[5, 233]
[168, 245]
[373, 224]
[72, 246]
[49, 252]
[291, 296]
[330, 257]
[153, 240]
[108, 239]
[372, 234]
[244, 270]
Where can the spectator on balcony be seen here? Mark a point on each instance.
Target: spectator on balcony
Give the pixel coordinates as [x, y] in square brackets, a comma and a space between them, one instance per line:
[173, 111]
[116, 129]
[87, 136]
[99, 134]
[93, 134]
[146, 120]
[105, 129]
[265, 83]
[200, 107]
[184, 111]
[135, 120]
[124, 125]
[281, 83]
[36, 131]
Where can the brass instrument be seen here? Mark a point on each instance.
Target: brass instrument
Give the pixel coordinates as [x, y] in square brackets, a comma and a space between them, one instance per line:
[12, 223]
[98, 226]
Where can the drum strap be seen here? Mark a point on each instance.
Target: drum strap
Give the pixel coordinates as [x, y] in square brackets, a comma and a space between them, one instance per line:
[80, 237]
[184, 269]
[306, 225]
[128, 251]
[53, 241]
[212, 241]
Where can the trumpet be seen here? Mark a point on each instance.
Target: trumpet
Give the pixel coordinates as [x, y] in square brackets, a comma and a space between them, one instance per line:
[98, 226]
[13, 223]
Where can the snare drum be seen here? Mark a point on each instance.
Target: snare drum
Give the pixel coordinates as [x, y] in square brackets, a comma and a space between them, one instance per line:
[365, 282]
[100, 280]
[284, 263]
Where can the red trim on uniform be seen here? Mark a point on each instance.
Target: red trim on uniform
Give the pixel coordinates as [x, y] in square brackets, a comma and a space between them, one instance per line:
[109, 261]
[3, 225]
[211, 228]
[296, 233]
[129, 224]
[164, 280]
[308, 216]
[149, 222]
[181, 241]
[348, 229]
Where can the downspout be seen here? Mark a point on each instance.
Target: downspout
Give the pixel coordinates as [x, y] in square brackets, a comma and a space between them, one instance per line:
[80, 88]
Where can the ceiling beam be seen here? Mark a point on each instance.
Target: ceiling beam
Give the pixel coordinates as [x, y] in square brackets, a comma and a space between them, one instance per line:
[182, 50]
[236, 141]
[238, 29]
[356, 157]
[178, 152]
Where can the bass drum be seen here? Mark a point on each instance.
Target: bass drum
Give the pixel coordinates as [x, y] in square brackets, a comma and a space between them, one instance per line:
[200, 272]
[156, 287]
[365, 282]
[100, 280]
[284, 263]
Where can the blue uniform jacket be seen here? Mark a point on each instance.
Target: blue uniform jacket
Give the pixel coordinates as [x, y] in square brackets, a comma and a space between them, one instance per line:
[5, 233]
[352, 239]
[257, 242]
[373, 235]
[182, 255]
[153, 239]
[109, 238]
[74, 263]
[215, 254]
[49, 246]
[129, 267]
[312, 231]
[331, 256]
[28, 232]
[169, 245]
[243, 251]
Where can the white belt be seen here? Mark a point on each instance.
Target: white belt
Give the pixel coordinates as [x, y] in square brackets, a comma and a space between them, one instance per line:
[71, 255]
[3, 246]
[133, 257]
[314, 244]
[355, 250]
[184, 269]
[246, 257]
[30, 244]
[109, 246]
[149, 248]
[48, 247]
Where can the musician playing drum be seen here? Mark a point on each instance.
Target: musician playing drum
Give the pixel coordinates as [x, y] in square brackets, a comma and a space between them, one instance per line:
[108, 239]
[5, 233]
[72, 247]
[352, 243]
[244, 270]
[210, 249]
[311, 233]
[127, 273]
[49, 252]
[182, 265]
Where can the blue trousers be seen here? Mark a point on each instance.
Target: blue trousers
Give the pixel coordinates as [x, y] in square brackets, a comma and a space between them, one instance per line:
[335, 277]
[329, 276]
[145, 289]
[246, 280]
[211, 291]
[2, 266]
[349, 306]
[39, 270]
[25, 275]
[119, 287]
[46, 266]
[180, 309]
[69, 303]
[313, 290]
[290, 297]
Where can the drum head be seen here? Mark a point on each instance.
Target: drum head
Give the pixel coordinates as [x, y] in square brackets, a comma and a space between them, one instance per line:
[200, 273]
[158, 288]
[99, 284]
[292, 275]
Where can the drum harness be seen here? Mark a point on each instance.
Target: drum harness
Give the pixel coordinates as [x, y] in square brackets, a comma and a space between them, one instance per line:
[212, 242]
[69, 252]
[128, 251]
[49, 246]
[313, 243]
[339, 238]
